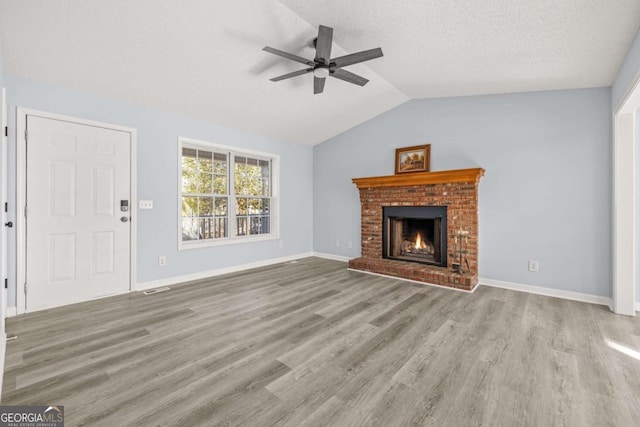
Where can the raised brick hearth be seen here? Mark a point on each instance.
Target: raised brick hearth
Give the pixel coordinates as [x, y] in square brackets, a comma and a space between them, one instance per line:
[457, 189]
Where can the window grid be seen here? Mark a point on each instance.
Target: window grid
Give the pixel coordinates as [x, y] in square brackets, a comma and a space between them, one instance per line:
[224, 194]
[204, 194]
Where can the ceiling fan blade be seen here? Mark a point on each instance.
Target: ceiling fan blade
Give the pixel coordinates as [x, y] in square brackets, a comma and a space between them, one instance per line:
[323, 44]
[287, 55]
[355, 58]
[289, 75]
[318, 84]
[349, 77]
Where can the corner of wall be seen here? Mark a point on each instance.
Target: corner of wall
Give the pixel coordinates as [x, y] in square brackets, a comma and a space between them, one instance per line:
[629, 72]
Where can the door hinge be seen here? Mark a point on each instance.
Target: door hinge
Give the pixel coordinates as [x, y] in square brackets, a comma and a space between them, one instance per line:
[6, 283]
[25, 287]
[6, 207]
[25, 211]
[25, 134]
[6, 131]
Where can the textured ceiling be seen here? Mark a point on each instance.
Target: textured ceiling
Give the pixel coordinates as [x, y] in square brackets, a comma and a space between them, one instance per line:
[204, 59]
[437, 48]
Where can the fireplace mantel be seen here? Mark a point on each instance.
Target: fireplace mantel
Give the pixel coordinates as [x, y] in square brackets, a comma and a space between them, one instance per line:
[421, 178]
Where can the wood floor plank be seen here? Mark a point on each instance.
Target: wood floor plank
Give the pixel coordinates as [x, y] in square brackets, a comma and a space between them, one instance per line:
[313, 344]
[326, 414]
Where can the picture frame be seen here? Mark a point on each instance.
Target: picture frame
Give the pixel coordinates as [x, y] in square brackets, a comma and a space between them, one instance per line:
[413, 159]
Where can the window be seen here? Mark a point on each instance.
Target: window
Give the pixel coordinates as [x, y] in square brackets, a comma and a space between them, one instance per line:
[226, 196]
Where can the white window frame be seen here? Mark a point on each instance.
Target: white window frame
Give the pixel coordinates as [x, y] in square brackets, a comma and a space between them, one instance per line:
[274, 207]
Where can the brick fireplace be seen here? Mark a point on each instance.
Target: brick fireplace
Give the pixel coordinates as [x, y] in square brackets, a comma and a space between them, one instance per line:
[452, 199]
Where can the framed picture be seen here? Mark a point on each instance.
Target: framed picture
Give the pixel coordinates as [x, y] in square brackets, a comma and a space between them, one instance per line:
[413, 159]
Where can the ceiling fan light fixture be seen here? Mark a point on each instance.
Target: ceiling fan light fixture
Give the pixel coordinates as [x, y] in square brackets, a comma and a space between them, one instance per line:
[321, 72]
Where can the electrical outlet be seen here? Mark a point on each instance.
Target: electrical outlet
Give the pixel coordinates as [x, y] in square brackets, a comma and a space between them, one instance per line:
[534, 266]
[349, 244]
[145, 204]
[162, 261]
[337, 242]
[281, 244]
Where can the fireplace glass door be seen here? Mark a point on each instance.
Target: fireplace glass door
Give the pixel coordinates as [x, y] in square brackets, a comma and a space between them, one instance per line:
[415, 240]
[416, 234]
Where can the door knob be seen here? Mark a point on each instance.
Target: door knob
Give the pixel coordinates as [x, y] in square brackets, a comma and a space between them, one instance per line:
[124, 219]
[8, 224]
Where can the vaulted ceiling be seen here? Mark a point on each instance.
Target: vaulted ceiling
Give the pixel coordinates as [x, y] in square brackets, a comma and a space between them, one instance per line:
[203, 58]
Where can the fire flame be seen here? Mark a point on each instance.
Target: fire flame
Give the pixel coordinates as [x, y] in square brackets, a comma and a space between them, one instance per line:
[419, 243]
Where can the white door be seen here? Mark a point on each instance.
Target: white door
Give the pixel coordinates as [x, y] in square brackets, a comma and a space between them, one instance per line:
[78, 236]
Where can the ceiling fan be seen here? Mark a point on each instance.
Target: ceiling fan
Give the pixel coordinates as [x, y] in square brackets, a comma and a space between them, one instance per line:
[323, 65]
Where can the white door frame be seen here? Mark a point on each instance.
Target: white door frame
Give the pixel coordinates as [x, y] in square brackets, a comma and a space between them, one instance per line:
[5, 215]
[21, 194]
[624, 201]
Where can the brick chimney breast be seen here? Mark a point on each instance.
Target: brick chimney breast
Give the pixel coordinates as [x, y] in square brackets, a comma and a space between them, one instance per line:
[455, 189]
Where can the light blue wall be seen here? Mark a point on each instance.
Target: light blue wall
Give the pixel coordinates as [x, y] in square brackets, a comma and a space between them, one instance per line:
[157, 178]
[546, 194]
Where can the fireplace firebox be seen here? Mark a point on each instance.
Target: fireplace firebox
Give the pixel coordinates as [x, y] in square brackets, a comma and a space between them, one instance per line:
[415, 234]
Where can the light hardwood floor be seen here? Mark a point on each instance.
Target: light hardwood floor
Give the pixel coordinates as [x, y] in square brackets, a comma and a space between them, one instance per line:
[312, 343]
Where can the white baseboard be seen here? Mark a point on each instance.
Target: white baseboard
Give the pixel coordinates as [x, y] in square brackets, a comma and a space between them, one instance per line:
[217, 272]
[539, 290]
[332, 256]
[11, 312]
[574, 296]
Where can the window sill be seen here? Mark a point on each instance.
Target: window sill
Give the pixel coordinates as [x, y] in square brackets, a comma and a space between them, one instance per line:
[224, 242]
